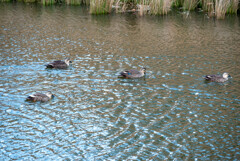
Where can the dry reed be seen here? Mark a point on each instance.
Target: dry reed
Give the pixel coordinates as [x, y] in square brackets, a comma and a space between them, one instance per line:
[221, 7]
[206, 4]
[190, 4]
[100, 6]
[73, 2]
[77, 2]
[143, 7]
[120, 6]
[217, 8]
[160, 7]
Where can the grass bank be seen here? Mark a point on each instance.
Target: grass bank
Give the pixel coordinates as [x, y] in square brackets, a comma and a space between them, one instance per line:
[214, 8]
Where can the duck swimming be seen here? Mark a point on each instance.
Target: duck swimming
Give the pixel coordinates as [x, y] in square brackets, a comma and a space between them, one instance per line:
[40, 97]
[59, 64]
[217, 78]
[132, 73]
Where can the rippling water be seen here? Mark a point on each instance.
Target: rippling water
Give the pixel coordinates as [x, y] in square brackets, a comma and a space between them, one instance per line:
[171, 114]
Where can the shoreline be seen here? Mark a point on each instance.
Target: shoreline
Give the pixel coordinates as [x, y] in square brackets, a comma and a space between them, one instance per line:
[213, 8]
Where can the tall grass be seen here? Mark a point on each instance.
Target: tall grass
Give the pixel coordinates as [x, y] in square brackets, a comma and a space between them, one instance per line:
[77, 2]
[86, 2]
[5, 0]
[143, 7]
[217, 8]
[29, 1]
[160, 7]
[73, 2]
[47, 2]
[120, 5]
[178, 3]
[221, 7]
[190, 4]
[233, 6]
[155, 7]
[206, 4]
[100, 6]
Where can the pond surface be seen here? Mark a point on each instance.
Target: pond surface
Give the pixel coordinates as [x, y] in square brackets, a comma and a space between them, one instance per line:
[171, 114]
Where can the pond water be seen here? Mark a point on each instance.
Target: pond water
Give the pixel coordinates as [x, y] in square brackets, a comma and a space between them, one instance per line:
[171, 114]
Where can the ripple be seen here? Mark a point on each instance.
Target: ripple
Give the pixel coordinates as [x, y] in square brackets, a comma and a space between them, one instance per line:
[170, 114]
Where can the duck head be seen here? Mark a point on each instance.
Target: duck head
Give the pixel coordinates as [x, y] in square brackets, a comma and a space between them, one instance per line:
[226, 75]
[143, 70]
[49, 94]
[67, 61]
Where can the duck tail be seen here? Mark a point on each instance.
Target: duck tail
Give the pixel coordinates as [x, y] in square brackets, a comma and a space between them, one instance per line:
[121, 76]
[49, 66]
[207, 77]
[30, 98]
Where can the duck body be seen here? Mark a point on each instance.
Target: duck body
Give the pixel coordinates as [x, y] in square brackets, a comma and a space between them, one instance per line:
[59, 64]
[217, 78]
[40, 97]
[132, 73]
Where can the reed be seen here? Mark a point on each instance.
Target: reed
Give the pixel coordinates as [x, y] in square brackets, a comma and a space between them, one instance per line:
[160, 7]
[116, 6]
[29, 1]
[120, 6]
[77, 2]
[6, 0]
[221, 7]
[47, 2]
[100, 6]
[143, 7]
[217, 8]
[73, 2]
[178, 3]
[233, 6]
[206, 4]
[86, 2]
[190, 4]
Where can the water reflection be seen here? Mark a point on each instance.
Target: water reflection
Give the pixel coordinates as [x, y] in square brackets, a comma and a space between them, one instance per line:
[170, 114]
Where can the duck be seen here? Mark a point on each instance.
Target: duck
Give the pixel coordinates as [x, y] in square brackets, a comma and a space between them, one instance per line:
[59, 64]
[133, 73]
[217, 78]
[40, 97]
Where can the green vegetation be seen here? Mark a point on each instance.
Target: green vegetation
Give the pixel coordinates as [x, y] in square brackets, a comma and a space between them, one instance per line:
[160, 7]
[77, 2]
[178, 3]
[5, 0]
[206, 4]
[47, 2]
[154, 7]
[73, 2]
[190, 4]
[100, 6]
[232, 9]
[214, 8]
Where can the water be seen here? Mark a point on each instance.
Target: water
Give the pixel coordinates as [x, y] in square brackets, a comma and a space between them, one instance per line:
[171, 114]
